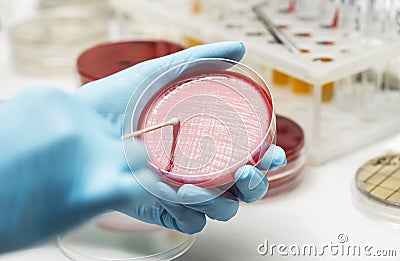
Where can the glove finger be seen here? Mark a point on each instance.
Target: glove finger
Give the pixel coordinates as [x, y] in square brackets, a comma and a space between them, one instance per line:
[215, 205]
[274, 158]
[177, 216]
[251, 184]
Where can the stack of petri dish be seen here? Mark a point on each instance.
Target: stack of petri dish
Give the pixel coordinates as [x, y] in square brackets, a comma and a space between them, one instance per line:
[290, 137]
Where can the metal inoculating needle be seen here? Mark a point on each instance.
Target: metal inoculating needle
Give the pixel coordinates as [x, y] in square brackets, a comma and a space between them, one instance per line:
[278, 35]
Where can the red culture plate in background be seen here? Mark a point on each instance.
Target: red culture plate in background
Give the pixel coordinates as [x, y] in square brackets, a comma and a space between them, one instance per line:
[106, 59]
[290, 137]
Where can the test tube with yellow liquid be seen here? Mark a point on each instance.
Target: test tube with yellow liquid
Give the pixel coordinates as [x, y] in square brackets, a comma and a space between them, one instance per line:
[279, 78]
[305, 88]
[191, 41]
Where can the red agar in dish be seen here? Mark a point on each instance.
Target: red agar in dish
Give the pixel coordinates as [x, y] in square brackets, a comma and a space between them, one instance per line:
[224, 121]
[106, 59]
[290, 137]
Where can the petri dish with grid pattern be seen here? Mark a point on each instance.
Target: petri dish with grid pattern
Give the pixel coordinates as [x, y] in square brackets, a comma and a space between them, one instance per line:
[378, 187]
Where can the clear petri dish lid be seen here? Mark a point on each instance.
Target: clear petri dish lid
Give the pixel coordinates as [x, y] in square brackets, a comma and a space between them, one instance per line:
[377, 188]
[59, 29]
[108, 58]
[226, 116]
[44, 4]
[115, 236]
[52, 40]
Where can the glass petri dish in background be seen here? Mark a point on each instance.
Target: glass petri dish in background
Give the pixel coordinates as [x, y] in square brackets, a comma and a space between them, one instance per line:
[45, 4]
[51, 41]
[115, 236]
[108, 58]
[226, 117]
[290, 137]
[377, 189]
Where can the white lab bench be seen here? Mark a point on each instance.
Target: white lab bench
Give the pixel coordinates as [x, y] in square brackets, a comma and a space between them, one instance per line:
[316, 212]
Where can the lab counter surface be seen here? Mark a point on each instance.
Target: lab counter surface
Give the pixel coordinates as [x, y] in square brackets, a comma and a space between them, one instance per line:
[320, 211]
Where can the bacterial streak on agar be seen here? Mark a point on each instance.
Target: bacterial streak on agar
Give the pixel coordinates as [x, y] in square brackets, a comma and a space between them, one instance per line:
[175, 131]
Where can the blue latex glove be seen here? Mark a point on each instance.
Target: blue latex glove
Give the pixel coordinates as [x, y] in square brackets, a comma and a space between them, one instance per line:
[60, 164]
[110, 96]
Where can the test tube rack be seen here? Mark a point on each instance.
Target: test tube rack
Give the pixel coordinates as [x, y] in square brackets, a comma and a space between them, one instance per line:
[360, 112]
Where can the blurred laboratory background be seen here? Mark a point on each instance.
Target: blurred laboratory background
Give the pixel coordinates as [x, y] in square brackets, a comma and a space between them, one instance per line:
[333, 67]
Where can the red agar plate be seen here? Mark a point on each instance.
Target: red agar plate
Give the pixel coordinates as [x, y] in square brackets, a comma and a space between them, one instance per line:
[106, 59]
[290, 137]
[226, 121]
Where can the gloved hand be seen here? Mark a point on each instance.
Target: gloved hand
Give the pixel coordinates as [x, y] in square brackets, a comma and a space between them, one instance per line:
[174, 209]
[110, 96]
[60, 164]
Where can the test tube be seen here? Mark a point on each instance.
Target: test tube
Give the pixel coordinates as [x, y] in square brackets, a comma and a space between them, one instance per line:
[283, 6]
[394, 19]
[191, 41]
[196, 6]
[368, 93]
[301, 87]
[329, 14]
[391, 84]
[279, 78]
[345, 94]
[375, 20]
[349, 19]
[308, 10]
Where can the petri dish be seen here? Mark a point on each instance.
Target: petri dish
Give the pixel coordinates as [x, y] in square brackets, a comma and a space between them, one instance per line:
[377, 188]
[52, 40]
[290, 137]
[44, 4]
[115, 236]
[108, 58]
[226, 117]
